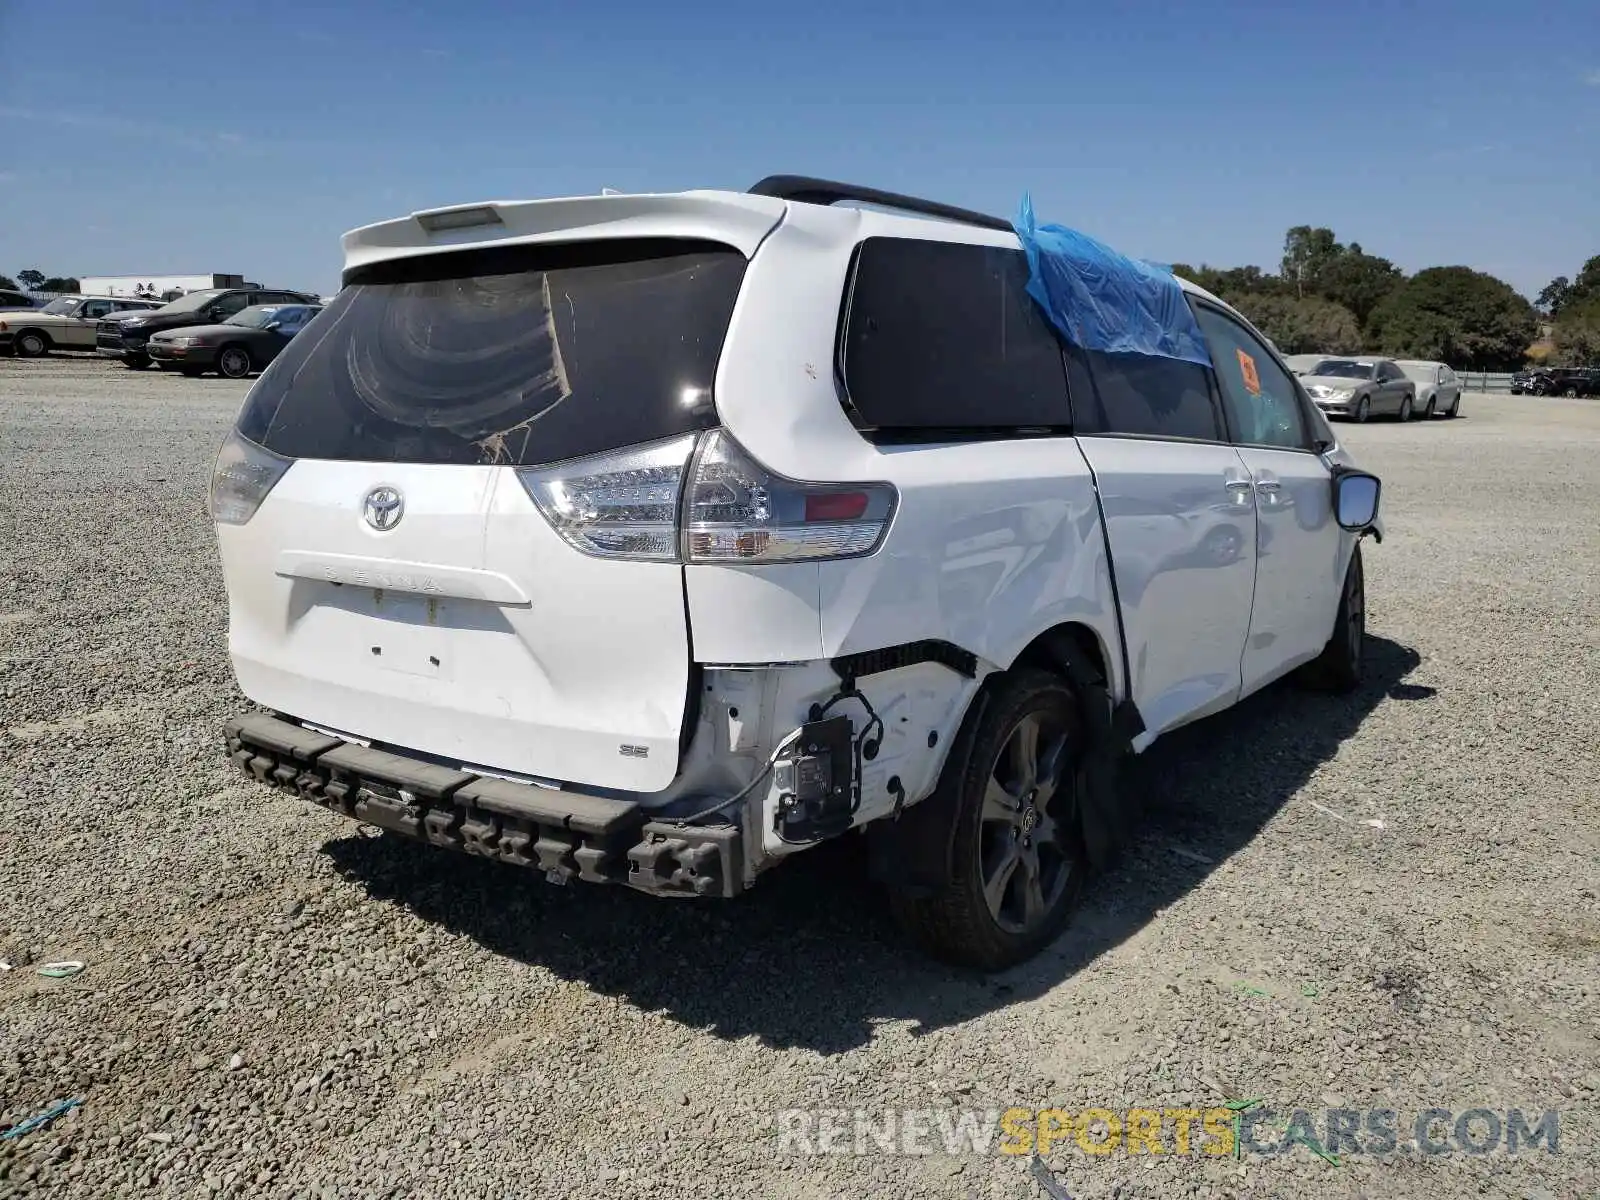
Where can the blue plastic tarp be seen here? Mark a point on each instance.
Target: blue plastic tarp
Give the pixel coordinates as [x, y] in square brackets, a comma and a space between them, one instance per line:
[1102, 300]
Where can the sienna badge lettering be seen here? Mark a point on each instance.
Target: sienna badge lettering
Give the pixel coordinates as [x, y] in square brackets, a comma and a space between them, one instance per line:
[383, 507]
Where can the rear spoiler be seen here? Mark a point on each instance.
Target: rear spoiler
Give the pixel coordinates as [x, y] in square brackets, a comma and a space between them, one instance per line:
[737, 219]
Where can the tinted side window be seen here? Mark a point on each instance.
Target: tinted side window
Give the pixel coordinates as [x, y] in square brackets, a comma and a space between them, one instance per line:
[1141, 395]
[96, 309]
[1259, 395]
[942, 335]
[227, 305]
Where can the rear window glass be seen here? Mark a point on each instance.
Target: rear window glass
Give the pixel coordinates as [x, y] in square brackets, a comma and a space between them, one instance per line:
[943, 336]
[520, 355]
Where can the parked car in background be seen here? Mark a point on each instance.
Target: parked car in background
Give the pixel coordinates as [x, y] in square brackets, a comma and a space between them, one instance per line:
[1564, 381]
[1361, 388]
[1521, 382]
[1301, 363]
[11, 301]
[245, 342]
[66, 323]
[125, 337]
[1438, 387]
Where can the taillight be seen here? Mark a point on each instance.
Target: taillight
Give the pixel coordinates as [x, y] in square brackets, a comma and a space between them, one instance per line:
[660, 504]
[621, 505]
[243, 475]
[738, 511]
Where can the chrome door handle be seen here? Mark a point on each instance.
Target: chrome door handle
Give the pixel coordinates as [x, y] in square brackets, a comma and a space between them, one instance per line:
[1268, 485]
[1238, 485]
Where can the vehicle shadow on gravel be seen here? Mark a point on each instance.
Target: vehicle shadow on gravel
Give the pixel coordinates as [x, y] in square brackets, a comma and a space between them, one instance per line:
[810, 959]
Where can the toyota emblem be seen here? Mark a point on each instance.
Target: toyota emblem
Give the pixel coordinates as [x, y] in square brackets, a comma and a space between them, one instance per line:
[383, 507]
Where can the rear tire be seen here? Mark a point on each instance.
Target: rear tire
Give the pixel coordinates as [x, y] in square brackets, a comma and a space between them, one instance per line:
[32, 343]
[233, 362]
[1405, 409]
[1433, 403]
[1338, 667]
[1570, 393]
[1014, 785]
[1454, 410]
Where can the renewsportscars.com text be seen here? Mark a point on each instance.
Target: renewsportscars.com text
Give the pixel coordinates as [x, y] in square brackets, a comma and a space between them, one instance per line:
[1219, 1131]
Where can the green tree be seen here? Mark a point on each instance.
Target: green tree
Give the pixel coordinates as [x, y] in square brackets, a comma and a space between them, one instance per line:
[1577, 333]
[1306, 254]
[1459, 316]
[1357, 280]
[30, 279]
[1233, 280]
[7, 282]
[1301, 325]
[1554, 295]
[1250, 281]
[59, 283]
[1586, 286]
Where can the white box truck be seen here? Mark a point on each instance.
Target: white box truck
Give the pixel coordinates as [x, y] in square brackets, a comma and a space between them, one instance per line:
[155, 287]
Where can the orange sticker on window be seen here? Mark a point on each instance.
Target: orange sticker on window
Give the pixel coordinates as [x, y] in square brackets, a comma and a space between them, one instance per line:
[1247, 367]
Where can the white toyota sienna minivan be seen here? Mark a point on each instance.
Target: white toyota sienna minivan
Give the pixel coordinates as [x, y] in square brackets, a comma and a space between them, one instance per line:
[649, 539]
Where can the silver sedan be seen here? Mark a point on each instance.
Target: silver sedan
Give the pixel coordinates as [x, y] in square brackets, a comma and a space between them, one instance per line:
[1438, 387]
[1361, 388]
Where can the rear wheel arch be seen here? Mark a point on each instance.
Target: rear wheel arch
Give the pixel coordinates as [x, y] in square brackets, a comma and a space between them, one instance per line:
[915, 852]
[952, 915]
[1069, 640]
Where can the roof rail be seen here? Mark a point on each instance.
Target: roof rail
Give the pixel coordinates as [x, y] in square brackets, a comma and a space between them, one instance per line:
[806, 190]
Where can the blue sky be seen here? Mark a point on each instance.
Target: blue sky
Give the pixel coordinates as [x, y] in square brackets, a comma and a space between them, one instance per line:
[160, 139]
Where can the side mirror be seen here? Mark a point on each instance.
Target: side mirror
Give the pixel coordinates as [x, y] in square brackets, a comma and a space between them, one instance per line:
[1355, 499]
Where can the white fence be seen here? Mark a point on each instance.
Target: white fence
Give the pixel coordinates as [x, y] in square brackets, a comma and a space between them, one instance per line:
[1485, 381]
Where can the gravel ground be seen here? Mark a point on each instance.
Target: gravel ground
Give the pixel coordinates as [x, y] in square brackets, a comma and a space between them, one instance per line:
[1380, 901]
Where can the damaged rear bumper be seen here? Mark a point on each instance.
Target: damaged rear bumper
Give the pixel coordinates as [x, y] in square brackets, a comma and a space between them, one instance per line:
[561, 833]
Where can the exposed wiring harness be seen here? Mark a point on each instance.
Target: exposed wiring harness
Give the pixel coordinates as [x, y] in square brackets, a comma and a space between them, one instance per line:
[864, 749]
[755, 782]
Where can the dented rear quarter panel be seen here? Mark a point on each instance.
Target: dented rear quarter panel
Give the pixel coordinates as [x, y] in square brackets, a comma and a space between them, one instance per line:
[992, 543]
